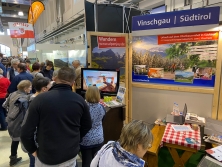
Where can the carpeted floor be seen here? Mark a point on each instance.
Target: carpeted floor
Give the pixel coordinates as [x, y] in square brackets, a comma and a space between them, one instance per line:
[165, 159]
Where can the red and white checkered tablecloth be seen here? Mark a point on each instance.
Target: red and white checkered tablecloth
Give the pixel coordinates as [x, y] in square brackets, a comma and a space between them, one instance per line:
[179, 138]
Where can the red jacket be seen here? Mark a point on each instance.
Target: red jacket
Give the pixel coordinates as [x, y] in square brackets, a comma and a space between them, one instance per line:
[4, 84]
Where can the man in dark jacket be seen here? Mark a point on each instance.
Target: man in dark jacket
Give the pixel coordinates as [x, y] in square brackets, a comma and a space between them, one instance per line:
[61, 118]
[23, 75]
[47, 71]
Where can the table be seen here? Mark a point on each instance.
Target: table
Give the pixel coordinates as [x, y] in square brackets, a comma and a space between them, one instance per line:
[151, 156]
[176, 140]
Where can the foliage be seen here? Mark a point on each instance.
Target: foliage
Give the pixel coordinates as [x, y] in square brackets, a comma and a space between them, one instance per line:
[157, 61]
[177, 50]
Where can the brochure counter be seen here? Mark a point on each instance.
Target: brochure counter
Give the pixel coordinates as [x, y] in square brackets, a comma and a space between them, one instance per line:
[113, 122]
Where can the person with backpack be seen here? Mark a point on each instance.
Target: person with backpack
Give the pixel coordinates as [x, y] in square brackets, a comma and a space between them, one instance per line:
[36, 70]
[93, 140]
[16, 105]
[41, 85]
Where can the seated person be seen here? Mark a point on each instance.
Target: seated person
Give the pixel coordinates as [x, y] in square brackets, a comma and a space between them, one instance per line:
[134, 141]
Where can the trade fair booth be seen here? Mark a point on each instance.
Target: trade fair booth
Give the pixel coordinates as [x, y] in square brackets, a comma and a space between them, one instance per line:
[169, 59]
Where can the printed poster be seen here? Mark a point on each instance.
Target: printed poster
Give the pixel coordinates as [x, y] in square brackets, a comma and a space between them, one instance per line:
[108, 57]
[181, 59]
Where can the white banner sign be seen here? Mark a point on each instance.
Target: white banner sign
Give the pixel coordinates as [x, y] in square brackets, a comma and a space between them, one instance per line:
[21, 30]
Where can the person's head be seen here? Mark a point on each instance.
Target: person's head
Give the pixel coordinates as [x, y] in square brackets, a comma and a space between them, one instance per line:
[76, 63]
[1, 71]
[136, 138]
[42, 65]
[1, 55]
[55, 74]
[25, 86]
[21, 67]
[66, 75]
[41, 84]
[49, 65]
[14, 63]
[27, 62]
[36, 67]
[92, 94]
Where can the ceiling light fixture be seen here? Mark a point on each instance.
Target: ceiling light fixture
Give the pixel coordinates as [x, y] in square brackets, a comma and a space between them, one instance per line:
[20, 13]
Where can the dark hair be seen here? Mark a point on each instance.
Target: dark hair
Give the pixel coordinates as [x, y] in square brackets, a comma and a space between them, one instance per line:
[35, 66]
[40, 82]
[66, 74]
[28, 61]
[49, 63]
[22, 66]
[42, 65]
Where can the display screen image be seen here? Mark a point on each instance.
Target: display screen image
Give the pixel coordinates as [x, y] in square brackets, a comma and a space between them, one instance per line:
[105, 80]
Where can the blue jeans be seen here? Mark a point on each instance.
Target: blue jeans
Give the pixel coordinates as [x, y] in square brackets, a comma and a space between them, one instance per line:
[32, 160]
[2, 115]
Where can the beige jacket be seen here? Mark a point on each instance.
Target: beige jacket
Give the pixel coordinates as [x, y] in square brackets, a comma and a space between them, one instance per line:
[78, 77]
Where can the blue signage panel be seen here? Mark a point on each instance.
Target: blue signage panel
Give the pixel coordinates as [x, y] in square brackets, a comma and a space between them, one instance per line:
[201, 16]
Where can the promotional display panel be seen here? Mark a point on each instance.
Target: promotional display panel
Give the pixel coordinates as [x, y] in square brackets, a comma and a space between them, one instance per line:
[179, 59]
[105, 56]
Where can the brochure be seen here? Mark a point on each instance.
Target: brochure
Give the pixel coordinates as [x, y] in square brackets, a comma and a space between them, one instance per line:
[119, 98]
[216, 152]
[182, 128]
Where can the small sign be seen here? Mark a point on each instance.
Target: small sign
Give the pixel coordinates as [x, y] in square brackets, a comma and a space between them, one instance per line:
[111, 42]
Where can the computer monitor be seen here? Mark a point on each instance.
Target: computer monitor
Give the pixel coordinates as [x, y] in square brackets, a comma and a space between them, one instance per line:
[107, 80]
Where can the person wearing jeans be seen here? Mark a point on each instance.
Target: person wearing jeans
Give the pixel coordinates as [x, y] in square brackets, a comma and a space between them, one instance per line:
[4, 84]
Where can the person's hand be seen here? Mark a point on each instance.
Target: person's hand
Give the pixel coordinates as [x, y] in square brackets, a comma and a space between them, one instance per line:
[34, 154]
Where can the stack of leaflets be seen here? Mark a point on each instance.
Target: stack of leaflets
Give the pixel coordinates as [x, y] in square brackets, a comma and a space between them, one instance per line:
[195, 119]
[119, 98]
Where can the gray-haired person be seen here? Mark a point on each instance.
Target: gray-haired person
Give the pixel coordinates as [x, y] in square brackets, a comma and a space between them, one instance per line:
[13, 71]
[77, 66]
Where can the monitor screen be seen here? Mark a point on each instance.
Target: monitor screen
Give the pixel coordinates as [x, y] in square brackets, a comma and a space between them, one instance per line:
[106, 80]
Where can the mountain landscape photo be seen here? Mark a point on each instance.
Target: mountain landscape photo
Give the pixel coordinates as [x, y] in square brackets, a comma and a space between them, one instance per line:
[109, 59]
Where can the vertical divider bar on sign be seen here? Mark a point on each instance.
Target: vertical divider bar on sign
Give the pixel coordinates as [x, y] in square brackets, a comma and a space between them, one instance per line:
[217, 103]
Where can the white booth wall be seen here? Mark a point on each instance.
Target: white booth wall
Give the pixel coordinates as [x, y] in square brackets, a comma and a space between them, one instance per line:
[151, 104]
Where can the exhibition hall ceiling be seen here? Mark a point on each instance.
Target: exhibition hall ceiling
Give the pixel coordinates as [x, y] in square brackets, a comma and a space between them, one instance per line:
[9, 11]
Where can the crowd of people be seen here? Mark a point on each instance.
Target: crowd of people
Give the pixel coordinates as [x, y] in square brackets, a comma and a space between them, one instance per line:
[53, 123]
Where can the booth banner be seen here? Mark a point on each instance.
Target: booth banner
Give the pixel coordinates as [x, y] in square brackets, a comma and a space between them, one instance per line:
[35, 11]
[21, 30]
[111, 42]
[191, 37]
[181, 59]
[201, 16]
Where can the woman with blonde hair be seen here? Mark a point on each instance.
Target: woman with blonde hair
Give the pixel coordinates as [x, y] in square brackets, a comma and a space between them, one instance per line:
[134, 141]
[17, 105]
[94, 139]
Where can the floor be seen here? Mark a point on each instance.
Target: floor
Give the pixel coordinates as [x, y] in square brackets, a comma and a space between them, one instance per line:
[5, 144]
